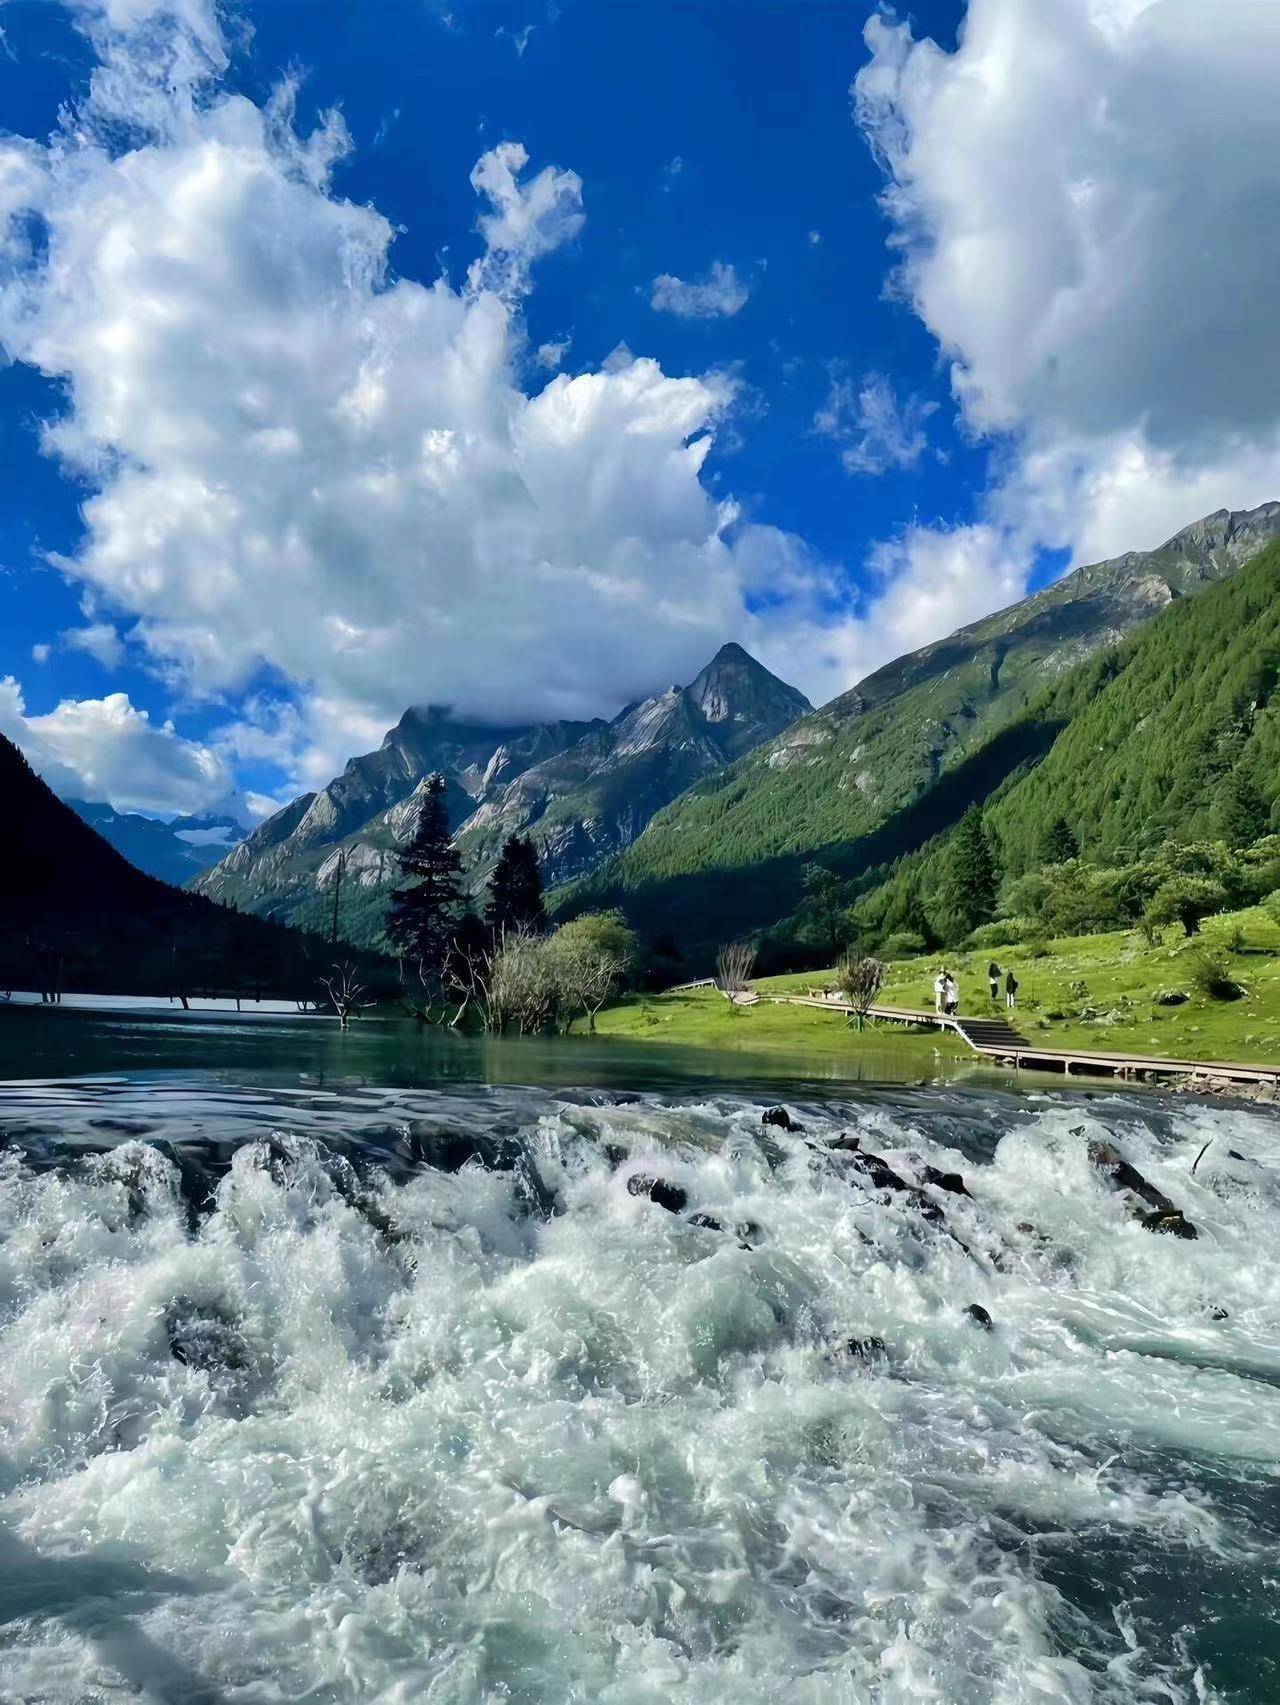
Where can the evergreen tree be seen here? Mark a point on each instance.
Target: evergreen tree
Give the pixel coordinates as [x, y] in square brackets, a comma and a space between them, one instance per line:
[514, 903]
[425, 913]
[1058, 844]
[826, 901]
[1239, 810]
[969, 887]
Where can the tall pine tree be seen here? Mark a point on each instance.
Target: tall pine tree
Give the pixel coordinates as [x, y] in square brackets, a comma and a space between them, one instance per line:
[969, 889]
[1239, 810]
[425, 913]
[514, 904]
[1058, 844]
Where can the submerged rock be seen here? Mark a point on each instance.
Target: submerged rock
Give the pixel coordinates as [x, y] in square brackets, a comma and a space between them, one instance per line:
[881, 1176]
[1174, 1224]
[1162, 1215]
[663, 1194]
[206, 1340]
[865, 1349]
[949, 1181]
[781, 1118]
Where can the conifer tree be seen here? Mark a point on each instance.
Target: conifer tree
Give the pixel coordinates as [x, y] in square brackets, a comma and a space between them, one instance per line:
[514, 904]
[969, 888]
[1058, 844]
[426, 911]
[1239, 810]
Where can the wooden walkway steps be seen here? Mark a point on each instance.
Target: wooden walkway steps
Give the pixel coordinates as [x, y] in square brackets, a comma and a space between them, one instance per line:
[996, 1039]
[990, 1035]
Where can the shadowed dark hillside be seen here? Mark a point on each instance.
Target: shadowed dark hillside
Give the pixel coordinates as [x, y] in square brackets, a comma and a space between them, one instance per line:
[76, 915]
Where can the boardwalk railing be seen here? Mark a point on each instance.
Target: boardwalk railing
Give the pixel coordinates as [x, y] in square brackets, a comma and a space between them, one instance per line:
[995, 1038]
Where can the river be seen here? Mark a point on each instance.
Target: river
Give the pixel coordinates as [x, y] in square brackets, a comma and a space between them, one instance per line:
[399, 1367]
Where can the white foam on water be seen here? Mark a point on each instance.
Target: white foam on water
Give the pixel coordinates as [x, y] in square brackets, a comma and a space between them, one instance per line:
[446, 1449]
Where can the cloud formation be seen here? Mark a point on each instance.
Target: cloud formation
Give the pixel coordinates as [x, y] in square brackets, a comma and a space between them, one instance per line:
[307, 468]
[718, 293]
[874, 428]
[107, 750]
[1086, 211]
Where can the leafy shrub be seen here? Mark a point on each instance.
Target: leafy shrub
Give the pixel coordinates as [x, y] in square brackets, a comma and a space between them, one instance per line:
[1271, 906]
[1210, 975]
[1186, 900]
[903, 944]
[1003, 932]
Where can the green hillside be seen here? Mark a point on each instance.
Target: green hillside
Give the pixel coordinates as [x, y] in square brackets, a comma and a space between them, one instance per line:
[1172, 741]
[879, 771]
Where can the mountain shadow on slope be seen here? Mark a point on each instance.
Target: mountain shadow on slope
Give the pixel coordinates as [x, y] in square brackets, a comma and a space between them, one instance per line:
[831, 779]
[75, 915]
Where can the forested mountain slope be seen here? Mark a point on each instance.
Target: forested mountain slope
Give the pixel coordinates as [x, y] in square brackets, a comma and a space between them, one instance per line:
[76, 915]
[1172, 737]
[896, 760]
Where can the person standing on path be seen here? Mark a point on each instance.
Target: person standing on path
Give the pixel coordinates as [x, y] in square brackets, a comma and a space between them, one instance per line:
[951, 998]
[1010, 991]
[940, 990]
[993, 978]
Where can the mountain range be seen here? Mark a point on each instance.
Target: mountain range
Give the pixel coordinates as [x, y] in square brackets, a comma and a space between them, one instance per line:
[699, 810]
[583, 790]
[880, 769]
[174, 851]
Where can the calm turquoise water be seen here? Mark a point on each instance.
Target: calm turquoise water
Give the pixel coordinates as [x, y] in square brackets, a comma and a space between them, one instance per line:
[376, 1368]
[67, 1042]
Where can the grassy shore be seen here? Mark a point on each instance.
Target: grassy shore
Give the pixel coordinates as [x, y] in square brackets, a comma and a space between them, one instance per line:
[702, 1018]
[1089, 992]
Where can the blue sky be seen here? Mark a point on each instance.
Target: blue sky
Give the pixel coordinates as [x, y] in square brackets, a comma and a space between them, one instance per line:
[908, 437]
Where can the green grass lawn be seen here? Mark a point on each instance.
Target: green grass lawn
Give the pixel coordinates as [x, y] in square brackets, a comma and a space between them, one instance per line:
[1092, 992]
[703, 1018]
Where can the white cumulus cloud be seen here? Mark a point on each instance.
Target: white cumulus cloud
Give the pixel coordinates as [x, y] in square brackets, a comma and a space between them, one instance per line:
[108, 750]
[305, 467]
[99, 639]
[1085, 203]
[720, 292]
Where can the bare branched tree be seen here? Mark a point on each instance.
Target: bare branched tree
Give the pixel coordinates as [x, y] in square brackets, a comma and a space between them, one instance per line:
[346, 992]
[586, 975]
[734, 965]
[467, 978]
[860, 978]
[522, 984]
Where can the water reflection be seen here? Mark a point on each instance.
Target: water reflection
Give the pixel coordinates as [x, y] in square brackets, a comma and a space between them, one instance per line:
[399, 1053]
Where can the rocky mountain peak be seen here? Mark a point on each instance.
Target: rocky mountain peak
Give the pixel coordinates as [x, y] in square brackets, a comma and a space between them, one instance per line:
[582, 789]
[735, 688]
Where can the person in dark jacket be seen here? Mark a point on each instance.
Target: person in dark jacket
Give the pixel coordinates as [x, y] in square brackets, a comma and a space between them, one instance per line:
[993, 978]
[1010, 990]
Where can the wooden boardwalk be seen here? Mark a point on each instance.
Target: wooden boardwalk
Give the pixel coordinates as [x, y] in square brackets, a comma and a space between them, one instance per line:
[996, 1039]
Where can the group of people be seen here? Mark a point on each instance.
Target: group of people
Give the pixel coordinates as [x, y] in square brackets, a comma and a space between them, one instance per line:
[946, 990]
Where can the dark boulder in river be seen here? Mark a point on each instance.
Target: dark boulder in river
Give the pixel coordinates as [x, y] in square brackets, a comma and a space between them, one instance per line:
[1163, 1215]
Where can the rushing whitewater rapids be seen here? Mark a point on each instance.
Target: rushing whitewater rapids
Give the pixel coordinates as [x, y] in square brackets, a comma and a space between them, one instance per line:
[411, 1396]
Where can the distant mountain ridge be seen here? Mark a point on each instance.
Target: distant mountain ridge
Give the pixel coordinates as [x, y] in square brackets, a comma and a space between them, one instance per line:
[174, 851]
[729, 854]
[583, 790]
